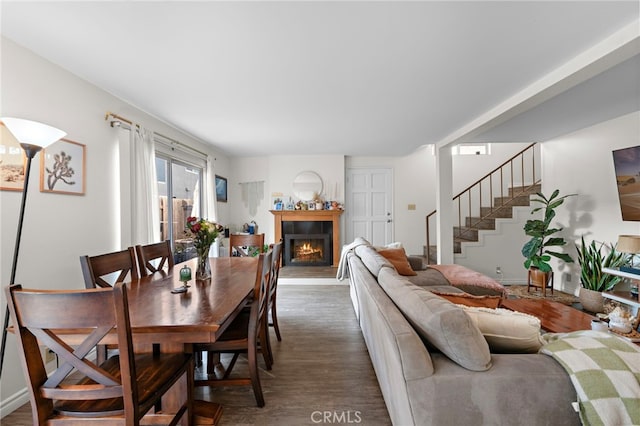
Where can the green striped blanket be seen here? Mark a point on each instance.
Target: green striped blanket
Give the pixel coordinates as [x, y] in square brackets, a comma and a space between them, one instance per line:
[605, 370]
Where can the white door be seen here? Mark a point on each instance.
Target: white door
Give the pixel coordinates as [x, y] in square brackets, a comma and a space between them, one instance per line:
[368, 205]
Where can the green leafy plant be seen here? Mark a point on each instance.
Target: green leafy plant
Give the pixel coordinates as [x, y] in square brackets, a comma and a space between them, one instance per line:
[592, 260]
[255, 251]
[536, 250]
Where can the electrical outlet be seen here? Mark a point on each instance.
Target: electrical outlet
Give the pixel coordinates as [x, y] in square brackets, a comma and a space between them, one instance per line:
[498, 270]
[411, 207]
[567, 277]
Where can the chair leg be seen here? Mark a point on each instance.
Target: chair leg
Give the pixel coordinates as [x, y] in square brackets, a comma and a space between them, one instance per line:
[265, 346]
[252, 357]
[274, 320]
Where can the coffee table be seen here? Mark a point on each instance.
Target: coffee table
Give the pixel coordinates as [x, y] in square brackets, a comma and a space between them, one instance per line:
[554, 317]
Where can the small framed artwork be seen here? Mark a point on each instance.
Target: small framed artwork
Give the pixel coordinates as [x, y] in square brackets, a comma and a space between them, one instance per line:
[12, 161]
[221, 189]
[63, 168]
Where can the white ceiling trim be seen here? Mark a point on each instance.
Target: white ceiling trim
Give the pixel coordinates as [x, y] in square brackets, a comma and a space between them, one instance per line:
[611, 51]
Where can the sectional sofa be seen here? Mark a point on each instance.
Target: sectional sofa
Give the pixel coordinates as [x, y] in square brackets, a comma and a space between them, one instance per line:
[434, 366]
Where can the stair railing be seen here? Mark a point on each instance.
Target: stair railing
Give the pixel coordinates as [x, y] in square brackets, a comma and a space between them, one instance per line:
[471, 199]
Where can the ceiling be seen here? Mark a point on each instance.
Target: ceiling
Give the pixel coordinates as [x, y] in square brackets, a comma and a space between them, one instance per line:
[351, 78]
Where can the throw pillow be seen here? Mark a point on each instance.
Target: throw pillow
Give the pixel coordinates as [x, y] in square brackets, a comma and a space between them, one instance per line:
[465, 299]
[507, 331]
[398, 258]
[441, 323]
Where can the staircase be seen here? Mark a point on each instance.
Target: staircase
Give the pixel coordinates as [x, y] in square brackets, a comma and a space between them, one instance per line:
[474, 215]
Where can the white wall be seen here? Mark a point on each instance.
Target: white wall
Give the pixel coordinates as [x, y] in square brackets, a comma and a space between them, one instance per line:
[60, 228]
[278, 173]
[413, 183]
[582, 163]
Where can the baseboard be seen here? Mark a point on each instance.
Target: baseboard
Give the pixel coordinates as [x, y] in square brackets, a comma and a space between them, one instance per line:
[311, 281]
[15, 401]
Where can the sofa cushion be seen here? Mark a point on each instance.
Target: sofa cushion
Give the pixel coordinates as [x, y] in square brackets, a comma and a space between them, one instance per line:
[429, 277]
[398, 258]
[441, 323]
[373, 260]
[507, 331]
[417, 263]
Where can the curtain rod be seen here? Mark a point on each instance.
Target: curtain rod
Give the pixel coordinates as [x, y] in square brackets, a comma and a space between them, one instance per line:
[118, 118]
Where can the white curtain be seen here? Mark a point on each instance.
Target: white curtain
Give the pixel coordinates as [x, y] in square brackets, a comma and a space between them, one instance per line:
[210, 211]
[145, 207]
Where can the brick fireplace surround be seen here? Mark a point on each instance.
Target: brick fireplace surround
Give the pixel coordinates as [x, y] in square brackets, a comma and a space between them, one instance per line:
[311, 216]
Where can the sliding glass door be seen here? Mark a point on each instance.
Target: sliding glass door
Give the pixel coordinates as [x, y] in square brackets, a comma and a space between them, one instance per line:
[180, 192]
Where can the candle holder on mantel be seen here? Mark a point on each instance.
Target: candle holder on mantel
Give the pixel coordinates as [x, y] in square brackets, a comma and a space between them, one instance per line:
[185, 276]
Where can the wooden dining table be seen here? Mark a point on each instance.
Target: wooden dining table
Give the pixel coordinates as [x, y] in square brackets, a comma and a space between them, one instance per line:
[175, 321]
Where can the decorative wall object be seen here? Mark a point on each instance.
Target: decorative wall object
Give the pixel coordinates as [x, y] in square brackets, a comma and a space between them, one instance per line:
[627, 167]
[221, 189]
[252, 194]
[12, 161]
[63, 168]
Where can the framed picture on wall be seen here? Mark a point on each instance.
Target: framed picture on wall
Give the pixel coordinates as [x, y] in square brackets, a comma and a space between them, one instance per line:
[62, 168]
[626, 163]
[221, 189]
[12, 161]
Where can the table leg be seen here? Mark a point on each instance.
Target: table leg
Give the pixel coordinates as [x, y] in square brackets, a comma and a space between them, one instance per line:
[204, 412]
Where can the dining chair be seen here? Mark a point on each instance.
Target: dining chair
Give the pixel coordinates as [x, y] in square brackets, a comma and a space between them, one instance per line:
[95, 269]
[121, 391]
[243, 336]
[155, 257]
[276, 249]
[246, 245]
[100, 272]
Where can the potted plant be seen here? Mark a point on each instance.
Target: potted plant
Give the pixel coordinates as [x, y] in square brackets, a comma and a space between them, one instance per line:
[592, 280]
[537, 250]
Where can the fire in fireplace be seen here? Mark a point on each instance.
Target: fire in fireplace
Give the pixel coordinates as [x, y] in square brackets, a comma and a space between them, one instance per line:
[307, 250]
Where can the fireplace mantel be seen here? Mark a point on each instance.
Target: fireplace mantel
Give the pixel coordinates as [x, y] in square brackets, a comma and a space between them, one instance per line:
[310, 216]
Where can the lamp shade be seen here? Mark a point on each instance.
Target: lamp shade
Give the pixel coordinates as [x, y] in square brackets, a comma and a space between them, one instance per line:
[628, 244]
[31, 132]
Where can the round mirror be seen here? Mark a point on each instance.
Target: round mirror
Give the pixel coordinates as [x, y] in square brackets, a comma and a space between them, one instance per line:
[307, 185]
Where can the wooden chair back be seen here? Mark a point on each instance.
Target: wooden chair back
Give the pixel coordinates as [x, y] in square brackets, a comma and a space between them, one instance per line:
[276, 253]
[79, 391]
[96, 268]
[261, 290]
[155, 257]
[275, 269]
[246, 245]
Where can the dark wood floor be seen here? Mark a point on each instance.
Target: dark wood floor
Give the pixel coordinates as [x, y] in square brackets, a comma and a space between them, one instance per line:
[321, 365]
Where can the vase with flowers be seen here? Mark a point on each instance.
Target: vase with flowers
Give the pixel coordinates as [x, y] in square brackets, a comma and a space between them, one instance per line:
[204, 234]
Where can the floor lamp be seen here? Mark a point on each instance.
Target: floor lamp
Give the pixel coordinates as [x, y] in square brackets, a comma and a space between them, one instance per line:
[32, 136]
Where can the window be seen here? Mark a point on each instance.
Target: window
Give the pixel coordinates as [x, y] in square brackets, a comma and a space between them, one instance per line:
[471, 149]
[179, 189]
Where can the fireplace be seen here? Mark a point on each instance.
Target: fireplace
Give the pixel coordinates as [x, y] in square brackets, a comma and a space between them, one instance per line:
[321, 225]
[307, 250]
